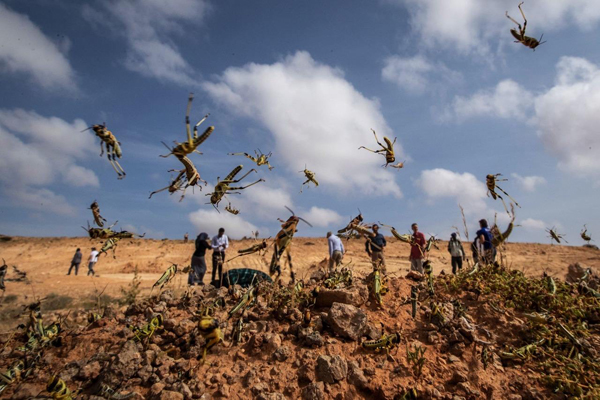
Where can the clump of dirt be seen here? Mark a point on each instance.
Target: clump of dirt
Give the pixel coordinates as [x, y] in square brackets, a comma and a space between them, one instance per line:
[468, 338]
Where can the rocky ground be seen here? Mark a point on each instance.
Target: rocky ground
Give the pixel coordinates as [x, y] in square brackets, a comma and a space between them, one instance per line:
[306, 342]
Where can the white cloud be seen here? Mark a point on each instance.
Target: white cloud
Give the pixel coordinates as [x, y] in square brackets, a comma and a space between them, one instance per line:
[533, 224]
[507, 100]
[465, 188]
[568, 116]
[470, 25]
[415, 73]
[529, 183]
[38, 151]
[210, 221]
[316, 117]
[322, 217]
[147, 25]
[25, 49]
[43, 200]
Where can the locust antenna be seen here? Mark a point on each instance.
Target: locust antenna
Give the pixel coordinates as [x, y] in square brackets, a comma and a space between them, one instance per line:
[305, 221]
[290, 210]
[91, 127]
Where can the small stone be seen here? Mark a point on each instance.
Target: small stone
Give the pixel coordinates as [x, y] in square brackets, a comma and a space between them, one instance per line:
[331, 369]
[457, 377]
[170, 395]
[282, 353]
[453, 359]
[314, 391]
[156, 388]
[347, 321]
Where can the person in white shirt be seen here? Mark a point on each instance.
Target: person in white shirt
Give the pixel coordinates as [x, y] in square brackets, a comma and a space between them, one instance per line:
[336, 250]
[92, 259]
[219, 244]
[457, 252]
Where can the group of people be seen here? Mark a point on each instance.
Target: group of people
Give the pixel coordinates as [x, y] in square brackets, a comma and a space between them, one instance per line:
[76, 261]
[482, 247]
[219, 245]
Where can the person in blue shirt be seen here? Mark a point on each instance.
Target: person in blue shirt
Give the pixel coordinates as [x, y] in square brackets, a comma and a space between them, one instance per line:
[374, 247]
[336, 250]
[485, 239]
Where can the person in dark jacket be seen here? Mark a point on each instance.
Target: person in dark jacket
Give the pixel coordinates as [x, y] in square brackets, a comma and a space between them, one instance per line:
[75, 262]
[198, 269]
[485, 239]
[374, 247]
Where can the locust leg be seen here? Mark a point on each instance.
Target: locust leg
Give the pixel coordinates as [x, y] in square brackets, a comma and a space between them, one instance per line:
[197, 125]
[289, 259]
[110, 155]
[102, 147]
[247, 186]
[215, 338]
[119, 165]
[247, 173]
[158, 191]
[517, 204]
[513, 20]
[524, 19]
[372, 151]
[187, 118]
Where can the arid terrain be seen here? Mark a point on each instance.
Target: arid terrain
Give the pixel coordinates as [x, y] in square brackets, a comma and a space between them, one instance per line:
[479, 344]
[46, 262]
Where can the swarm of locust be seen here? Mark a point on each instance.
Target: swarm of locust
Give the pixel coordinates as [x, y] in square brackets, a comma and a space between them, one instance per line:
[559, 323]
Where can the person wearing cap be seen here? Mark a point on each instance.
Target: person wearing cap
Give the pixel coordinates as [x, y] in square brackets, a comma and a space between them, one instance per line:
[374, 247]
[336, 250]
[457, 252]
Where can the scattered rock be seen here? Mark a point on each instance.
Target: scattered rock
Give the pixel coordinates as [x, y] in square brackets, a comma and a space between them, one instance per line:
[170, 395]
[575, 272]
[310, 338]
[314, 391]
[26, 391]
[282, 353]
[457, 377]
[347, 321]
[356, 296]
[415, 276]
[331, 369]
[356, 376]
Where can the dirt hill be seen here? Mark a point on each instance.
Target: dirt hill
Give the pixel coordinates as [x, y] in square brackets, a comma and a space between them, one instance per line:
[499, 332]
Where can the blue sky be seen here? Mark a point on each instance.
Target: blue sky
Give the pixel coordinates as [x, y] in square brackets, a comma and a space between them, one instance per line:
[307, 81]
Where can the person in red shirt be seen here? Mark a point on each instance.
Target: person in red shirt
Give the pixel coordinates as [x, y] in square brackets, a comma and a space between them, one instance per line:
[417, 249]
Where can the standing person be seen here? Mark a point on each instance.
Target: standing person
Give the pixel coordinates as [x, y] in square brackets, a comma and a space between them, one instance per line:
[336, 250]
[92, 259]
[485, 240]
[185, 238]
[417, 249]
[456, 251]
[198, 270]
[75, 261]
[374, 246]
[219, 244]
